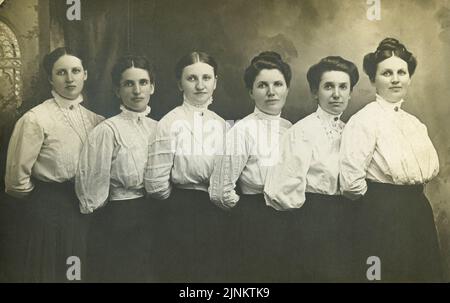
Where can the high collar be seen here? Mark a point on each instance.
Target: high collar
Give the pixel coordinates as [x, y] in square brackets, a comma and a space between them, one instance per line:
[66, 103]
[327, 117]
[265, 116]
[196, 107]
[134, 115]
[389, 105]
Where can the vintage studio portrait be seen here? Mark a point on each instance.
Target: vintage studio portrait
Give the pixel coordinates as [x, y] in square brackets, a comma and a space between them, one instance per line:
[224, 141]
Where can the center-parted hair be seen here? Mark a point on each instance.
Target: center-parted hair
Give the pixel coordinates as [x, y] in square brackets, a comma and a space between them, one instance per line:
[331, 63]
[387, 48]
[192, 58]
[50, 59]
[266, 60]
[128, 61]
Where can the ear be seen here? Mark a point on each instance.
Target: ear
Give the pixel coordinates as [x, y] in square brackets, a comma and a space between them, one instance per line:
[179, 86]
[250, 92]
[85, 75]
[116, 91]
[152, 89]
[215, 82]
[50, 80]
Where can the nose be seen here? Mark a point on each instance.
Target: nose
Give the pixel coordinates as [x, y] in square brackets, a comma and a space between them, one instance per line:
[200, 85]
[136, 89]
[69, 77]
[270, 90]
[395, 78]
[336, 93]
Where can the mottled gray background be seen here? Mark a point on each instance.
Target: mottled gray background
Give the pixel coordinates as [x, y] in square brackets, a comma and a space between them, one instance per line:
[233, 32]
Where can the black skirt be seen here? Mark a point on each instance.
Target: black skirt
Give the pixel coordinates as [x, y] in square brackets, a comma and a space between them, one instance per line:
[52, 229]
[396, 225]
[321, 240]
[120, 242]
[190, 238]
[258, 235]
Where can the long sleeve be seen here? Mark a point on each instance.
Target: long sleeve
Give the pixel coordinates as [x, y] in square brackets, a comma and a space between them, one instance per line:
[286, 181]
[23, 151]
[160, 162]
[357, 149]
[92, 181]
[227, 170]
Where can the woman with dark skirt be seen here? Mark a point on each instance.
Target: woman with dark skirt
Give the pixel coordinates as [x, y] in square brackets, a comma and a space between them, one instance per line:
[179, 166]
[305, 181]
[41, 165]
[251, 148]
[386, 158]
[110, 181]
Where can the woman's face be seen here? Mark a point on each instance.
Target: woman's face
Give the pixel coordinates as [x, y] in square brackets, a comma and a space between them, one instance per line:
[334, 92]
[392, 79]
[68, 76]
[269, 91]
[198, 82]
[135, 89]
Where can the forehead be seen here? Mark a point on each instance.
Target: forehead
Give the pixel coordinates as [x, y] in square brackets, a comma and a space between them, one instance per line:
[269, 75]
[134, 73]
[67, 61]
[335, 76]
[198, 68]
[393, 62]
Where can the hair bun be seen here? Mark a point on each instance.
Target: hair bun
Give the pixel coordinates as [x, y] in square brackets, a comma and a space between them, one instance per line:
[390, 44]
[268, 56]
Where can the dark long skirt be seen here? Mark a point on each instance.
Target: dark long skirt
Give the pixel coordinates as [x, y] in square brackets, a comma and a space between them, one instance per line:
[120, 245]
[52, 230]
[322, 240]
[258, 237]
[397, 226]
[190, 238]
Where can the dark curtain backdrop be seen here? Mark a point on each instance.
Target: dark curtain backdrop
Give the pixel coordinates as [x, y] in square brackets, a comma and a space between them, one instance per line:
[233, 31]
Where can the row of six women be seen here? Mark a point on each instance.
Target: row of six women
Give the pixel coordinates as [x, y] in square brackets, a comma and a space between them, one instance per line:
[192, 240]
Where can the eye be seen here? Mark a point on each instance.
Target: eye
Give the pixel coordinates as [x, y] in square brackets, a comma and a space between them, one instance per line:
[207, 77]
[279, 83]
[261, 85]
[144, 82]
[386, 73]
[191, 78]
[76, 70]
[343, 86]
[328, 86]
[61, 72]
[402, 72]
[128, 83]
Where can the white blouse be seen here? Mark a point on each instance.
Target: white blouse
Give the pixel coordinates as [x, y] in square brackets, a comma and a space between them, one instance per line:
[309, 161]
[251, 148]
[385, 144]
[187, 138]
[113, 160]
[46, 143]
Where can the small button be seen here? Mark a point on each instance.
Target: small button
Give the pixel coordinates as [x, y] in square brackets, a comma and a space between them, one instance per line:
[71, 107]
[396, 108]
[336, 118]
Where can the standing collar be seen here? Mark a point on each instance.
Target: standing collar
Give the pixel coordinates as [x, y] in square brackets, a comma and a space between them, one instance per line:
[132, 115]
[389, 105]
[66, 103]
[265, 116]
[327, 117]
[194, 107]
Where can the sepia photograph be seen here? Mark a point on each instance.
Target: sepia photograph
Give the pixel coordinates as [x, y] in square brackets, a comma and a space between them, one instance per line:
[207, 141]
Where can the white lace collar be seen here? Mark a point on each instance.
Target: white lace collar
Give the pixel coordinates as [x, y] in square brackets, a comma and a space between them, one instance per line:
[66, 103]
[134, 115]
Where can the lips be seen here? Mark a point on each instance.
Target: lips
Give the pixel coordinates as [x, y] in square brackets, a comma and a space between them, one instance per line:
[71, 86]
[395, 87]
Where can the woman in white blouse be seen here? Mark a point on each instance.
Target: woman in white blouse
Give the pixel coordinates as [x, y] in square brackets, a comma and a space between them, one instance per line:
[42, 161]
[110, 179]
[386, 158]
[305, 180]
[251, 148]
[179, 165]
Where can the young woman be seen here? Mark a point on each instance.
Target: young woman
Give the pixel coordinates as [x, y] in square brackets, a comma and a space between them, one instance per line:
[386, 158]
[179, 165]
[305, 180]
[42, 161]
[251, 148]
[110, 179]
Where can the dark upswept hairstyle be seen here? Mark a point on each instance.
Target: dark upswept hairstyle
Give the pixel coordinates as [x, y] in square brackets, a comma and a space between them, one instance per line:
[387, 48]
[266, 60]
[128, 61]
[50, 59]
[194, 57]
[331, 63]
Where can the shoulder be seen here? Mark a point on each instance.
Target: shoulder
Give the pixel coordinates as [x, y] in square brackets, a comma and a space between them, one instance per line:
[284, 123]
[174, 115]
[307, 125]
[40, 113]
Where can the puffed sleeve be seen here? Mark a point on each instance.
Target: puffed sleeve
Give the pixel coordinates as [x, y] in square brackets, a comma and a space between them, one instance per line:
[161, 154]
[23, 151]
[92, 180]
[228, 168]
[357, 148]
[286, 181]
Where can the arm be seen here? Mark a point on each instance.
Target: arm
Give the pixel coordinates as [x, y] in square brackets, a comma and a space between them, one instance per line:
[23, 151]
[227, 169]
[286, 181]
[92, 180]
[357, 148]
